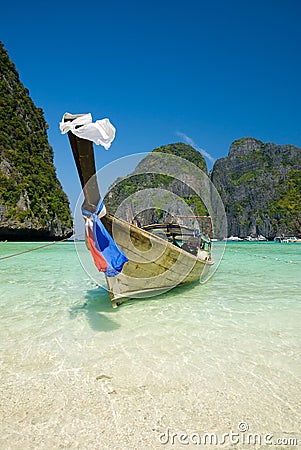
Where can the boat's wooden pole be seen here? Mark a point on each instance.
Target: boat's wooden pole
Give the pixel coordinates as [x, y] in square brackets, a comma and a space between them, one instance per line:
[83, 154]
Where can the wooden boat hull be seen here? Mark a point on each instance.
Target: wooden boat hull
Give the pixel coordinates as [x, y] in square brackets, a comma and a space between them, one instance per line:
[155, 265]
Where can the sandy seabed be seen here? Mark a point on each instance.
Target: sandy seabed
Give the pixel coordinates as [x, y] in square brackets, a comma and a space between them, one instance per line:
[71, 409]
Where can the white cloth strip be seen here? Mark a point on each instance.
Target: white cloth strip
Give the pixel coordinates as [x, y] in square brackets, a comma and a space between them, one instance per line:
[101, 132]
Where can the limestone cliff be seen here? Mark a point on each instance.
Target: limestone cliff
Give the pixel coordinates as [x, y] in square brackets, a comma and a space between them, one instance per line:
[260, 185]
[33, 205]
[172, 180]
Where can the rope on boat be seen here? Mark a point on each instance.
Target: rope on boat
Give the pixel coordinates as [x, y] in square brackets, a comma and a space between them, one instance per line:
[36, 248]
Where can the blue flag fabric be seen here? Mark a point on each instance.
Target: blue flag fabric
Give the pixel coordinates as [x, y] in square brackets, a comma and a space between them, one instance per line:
[106, 245]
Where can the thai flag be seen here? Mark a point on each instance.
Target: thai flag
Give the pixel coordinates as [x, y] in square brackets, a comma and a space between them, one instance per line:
[107, 255]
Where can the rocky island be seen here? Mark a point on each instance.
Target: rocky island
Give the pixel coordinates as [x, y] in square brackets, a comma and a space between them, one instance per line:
[33, 205]
[260, 185]
[146, 176]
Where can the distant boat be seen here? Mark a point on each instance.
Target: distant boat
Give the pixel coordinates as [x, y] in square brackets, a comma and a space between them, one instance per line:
[259, 238]
[233, 238]
[160, 256]
[288, 240]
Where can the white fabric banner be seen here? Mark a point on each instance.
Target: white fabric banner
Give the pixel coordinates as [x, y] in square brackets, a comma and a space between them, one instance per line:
[101, 132]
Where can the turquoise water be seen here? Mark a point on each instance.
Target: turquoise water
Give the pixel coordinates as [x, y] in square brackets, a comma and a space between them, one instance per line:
[76, 373]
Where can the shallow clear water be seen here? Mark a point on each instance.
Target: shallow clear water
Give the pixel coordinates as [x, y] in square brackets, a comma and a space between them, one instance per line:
[76, 373]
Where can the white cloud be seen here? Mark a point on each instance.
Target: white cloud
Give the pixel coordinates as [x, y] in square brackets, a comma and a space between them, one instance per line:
[191, 142]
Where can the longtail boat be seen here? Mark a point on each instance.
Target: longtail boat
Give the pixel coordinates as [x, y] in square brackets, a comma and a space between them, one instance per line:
[160, 256]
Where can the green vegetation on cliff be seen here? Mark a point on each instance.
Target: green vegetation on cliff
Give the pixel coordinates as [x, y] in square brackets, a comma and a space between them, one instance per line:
[184, 151]
[288, 206]
[31, 197]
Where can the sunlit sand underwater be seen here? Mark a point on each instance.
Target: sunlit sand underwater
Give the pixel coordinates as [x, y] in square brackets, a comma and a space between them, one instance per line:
[76, 373]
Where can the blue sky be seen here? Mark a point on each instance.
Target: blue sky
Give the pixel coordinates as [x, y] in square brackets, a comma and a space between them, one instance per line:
[213, 71]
